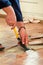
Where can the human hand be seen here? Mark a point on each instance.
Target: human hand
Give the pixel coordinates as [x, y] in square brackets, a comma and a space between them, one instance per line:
[11, 20]
[23, 36]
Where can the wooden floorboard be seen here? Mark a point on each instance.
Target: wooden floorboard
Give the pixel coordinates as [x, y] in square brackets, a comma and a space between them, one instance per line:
[16, 55]
[20, 59]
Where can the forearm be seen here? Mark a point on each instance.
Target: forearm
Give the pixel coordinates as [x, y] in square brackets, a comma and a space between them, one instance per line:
[9, 10]
[11, 17]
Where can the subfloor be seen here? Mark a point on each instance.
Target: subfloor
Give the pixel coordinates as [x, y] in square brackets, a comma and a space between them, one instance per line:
[13, 54]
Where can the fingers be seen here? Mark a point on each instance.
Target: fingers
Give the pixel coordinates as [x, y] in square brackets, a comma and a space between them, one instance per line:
[11, 20]
[23, 39]
[24, 36]
[26, 39]
[13, 27]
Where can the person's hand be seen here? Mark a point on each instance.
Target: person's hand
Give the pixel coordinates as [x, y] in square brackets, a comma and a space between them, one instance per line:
[11, 20]
[24, 36]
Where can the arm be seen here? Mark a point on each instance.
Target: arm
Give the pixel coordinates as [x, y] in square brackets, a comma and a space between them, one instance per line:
[10, 18]
[6, 6]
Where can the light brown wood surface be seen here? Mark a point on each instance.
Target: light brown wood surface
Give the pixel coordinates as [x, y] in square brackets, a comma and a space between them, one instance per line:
[15, 55]
[19, 59]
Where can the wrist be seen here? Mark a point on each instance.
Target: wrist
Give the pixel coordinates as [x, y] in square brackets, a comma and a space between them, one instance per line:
[21, 28]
